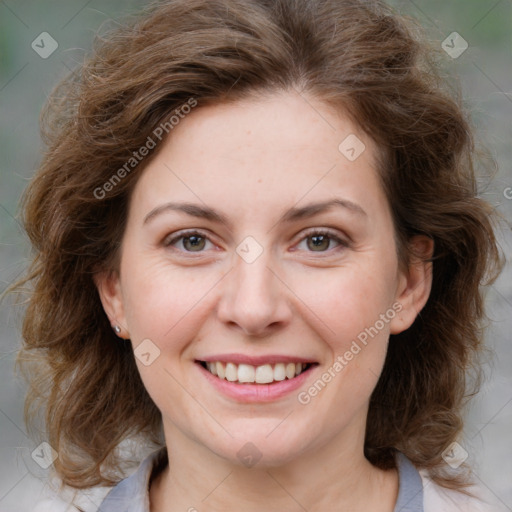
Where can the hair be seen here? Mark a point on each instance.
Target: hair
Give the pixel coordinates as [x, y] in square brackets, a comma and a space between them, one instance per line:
[356, 56]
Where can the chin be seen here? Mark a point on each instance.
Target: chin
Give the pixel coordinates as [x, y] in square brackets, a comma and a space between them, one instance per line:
[262, 452]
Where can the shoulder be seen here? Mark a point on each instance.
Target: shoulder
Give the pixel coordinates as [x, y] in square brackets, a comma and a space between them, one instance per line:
[439, 499]
[130, 494]
[54, 504]
[71, 501]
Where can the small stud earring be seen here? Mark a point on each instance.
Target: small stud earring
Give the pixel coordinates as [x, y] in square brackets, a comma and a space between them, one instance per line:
[117, 329]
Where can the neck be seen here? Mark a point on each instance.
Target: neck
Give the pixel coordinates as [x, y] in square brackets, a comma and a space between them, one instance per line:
[198, 480]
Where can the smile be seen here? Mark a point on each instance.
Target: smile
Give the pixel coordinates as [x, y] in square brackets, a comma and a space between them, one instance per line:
[255, 379]
[250, 374]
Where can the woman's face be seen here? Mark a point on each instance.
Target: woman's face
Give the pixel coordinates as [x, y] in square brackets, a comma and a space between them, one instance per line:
[255, 241]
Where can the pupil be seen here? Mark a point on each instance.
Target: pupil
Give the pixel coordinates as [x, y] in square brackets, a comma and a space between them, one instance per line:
[319, 242]
[193, 242]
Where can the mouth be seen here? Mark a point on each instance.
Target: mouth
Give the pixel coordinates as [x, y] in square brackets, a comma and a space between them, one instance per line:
[251, 374]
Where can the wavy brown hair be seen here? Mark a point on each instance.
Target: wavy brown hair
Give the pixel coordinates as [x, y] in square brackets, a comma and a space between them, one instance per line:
[354, 55]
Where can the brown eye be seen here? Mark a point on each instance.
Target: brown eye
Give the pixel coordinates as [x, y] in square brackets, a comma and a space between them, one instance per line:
[189, 242]
[193, 243]
[318, 242]
[321, 241]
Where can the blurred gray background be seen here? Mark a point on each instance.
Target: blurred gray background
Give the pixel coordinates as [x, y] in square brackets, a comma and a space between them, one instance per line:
[484, 73]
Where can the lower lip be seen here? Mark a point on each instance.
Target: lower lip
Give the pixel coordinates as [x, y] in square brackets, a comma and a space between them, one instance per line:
[256, 392]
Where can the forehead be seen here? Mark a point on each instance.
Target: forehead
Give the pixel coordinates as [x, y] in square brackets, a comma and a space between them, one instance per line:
[261, 152]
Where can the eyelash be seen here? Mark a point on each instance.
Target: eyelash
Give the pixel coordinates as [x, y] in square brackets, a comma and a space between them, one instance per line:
[342, 244]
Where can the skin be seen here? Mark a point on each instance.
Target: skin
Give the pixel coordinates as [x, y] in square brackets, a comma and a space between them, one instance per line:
[252, 161]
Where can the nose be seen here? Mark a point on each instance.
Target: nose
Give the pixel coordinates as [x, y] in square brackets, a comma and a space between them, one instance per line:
[253, 299]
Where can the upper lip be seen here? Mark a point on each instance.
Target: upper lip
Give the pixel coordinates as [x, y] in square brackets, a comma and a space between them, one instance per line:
[255, 360]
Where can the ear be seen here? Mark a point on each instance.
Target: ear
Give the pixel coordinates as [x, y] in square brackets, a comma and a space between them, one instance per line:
[414, 284]
[109, 289]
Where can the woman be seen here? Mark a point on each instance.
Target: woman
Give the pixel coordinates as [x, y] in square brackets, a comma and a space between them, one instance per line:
[258, 246]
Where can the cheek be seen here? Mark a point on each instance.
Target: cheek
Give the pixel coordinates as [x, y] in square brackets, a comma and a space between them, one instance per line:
[160, 299]
[346, 301]
[349, 310]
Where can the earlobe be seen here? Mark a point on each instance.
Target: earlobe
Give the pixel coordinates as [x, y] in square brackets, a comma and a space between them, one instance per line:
[109, 290]
[415, 284]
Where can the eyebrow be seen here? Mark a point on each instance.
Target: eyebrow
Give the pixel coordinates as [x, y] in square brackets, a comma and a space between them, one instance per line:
[294, 214]
[291, 215]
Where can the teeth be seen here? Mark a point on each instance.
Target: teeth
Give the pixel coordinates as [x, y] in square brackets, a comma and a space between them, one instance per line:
[279, 372]
[231, 372]
[220, 370]
[246, 373]
[264, 374]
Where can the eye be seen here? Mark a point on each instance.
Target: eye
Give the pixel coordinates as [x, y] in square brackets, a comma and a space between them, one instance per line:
[321, 241]
[190, 241]
[318, 240]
